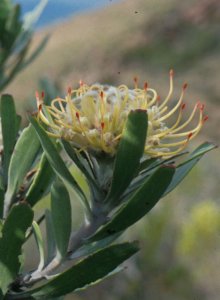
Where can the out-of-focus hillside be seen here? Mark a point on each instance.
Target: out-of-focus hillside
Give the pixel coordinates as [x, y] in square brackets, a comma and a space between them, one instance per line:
[143, 38]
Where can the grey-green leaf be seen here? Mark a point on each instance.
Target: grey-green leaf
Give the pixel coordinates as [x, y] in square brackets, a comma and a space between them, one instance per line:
[72, 153]
[40, 244]
[2, 196]
[129, 153]
[51, 245]
[83, 167]
[41, 183]
[56, 161]
[13, 237]
[9, 130]
[90, 248]
[61, 217]
[184, 168]
[142, 201]
[25, 152]
[86, 272]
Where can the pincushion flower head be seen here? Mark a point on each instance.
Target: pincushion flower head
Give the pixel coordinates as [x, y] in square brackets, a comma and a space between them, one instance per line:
[93, 118]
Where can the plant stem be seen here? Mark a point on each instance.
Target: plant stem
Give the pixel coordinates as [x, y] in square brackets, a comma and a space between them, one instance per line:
[76, 241]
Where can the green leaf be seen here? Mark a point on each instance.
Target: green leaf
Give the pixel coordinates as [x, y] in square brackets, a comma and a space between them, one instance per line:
[77, 160]
[9, 130]
[51, 245]
[147, 167]
[18, 122]
[15, 68]
[1, 227]
[13, 23]
[142, 201]
[5, 7]
[56, 162]
[61, 217]
[129, 153]
[2, 196]
[83, 166]
[13, 237]
[40, 244]
[25, 152]
[184, 168]
[90, 248]
[86, 272]
[152, 163]
[41, 183]
[148, 163]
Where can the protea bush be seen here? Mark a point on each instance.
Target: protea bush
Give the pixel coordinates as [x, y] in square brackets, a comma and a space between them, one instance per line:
[130, 149]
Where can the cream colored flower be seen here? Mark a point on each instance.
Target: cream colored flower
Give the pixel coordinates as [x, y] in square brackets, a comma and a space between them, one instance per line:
[93, 118]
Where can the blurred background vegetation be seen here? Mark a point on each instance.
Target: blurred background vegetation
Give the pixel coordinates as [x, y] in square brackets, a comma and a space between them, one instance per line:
[180, 238]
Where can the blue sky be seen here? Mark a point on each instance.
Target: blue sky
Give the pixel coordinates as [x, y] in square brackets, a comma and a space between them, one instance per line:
[57, 10]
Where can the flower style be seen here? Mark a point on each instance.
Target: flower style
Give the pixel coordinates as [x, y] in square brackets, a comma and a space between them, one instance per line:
[93, 118]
